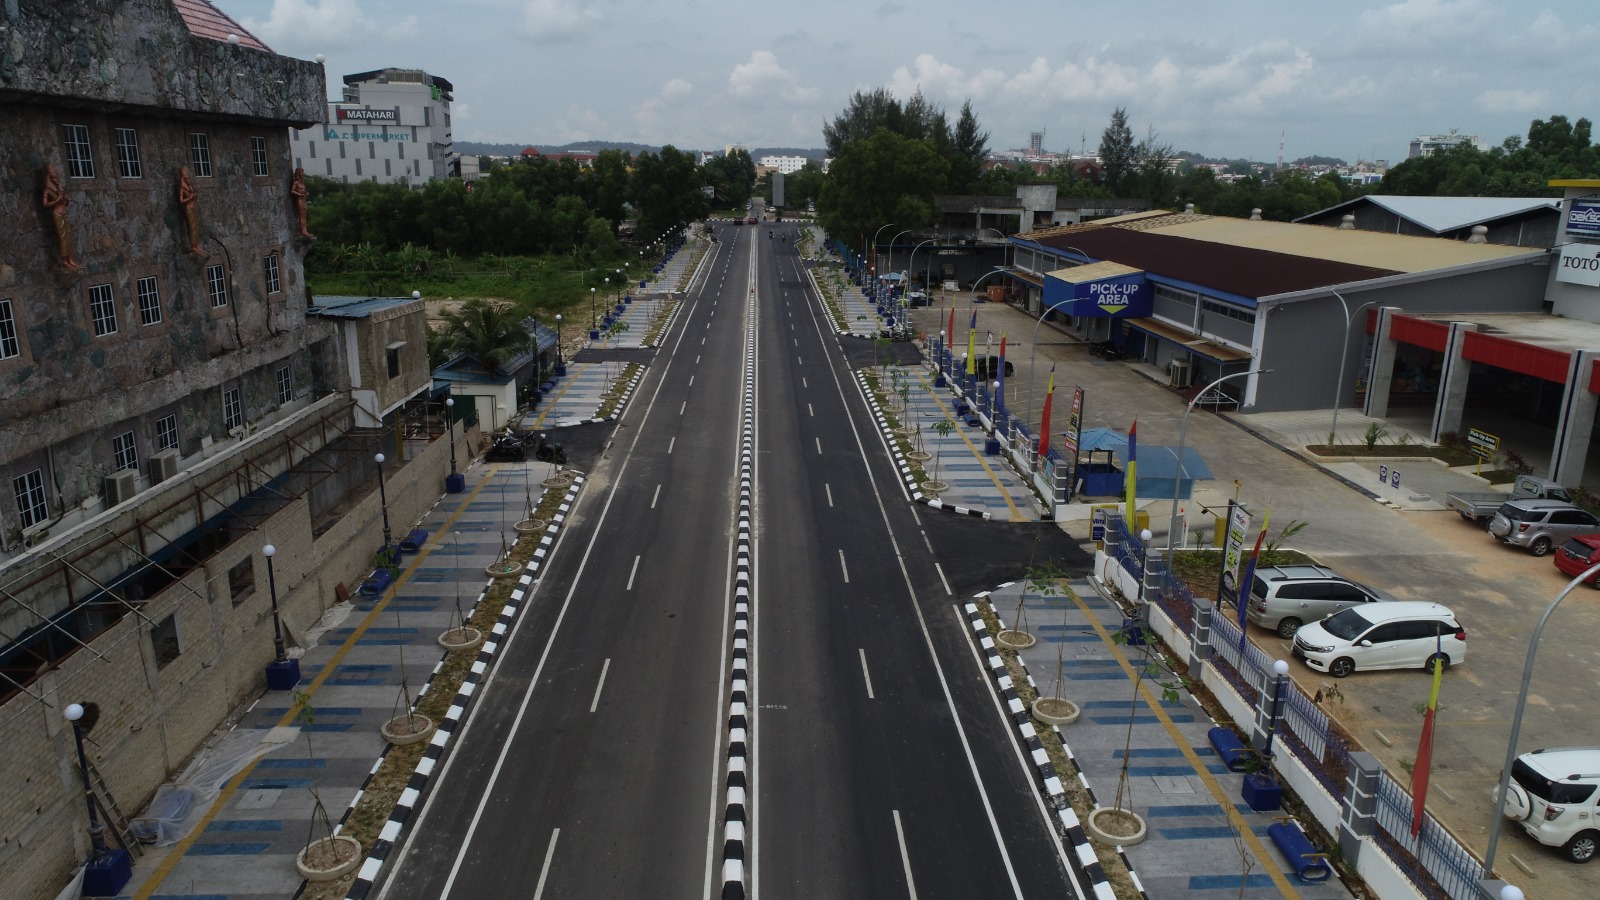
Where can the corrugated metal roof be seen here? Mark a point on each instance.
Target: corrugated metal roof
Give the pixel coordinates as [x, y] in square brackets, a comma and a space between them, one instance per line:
[1397, 252]
[1441, 215]
[353, 307]
[1093, 272]
[206, 21]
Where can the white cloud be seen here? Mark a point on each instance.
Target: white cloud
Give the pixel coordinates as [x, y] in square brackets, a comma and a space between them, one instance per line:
[942, 82]
[1416, 23]
[675, 89]
[555, 20]
[1511, 100]
[763, 76]
[306, 26]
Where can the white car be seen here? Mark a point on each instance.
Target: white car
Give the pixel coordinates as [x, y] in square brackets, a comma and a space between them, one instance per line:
[1553, 796]
[1404, 634]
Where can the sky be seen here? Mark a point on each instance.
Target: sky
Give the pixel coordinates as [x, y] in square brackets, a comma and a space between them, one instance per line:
[1224, 78]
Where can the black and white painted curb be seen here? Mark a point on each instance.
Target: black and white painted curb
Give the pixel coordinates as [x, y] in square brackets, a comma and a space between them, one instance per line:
[900, 461]
[1068, 825]
[666, 326]
[622, 402]
[389, 836]
[736, 810]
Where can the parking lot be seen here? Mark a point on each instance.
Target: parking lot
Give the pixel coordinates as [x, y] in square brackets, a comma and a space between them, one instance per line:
[1417, 553]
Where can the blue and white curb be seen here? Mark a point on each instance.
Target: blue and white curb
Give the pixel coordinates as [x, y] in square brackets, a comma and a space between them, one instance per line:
[389, 835]
[900, 463]
[1068, 826]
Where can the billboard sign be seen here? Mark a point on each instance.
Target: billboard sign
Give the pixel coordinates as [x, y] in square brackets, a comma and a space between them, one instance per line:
[366, 115]
[1120, 295]
[1580, 264]
[1583, 218]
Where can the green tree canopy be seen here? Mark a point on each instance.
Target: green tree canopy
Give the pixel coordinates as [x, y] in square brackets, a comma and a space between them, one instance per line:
[491, 332]
[885, 178]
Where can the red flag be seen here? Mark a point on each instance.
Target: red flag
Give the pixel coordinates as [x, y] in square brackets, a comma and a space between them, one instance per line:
[1044, 421]
[1419, 772]
[951, 340]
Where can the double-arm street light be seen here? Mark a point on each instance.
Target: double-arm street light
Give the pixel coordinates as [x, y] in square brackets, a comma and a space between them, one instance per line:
[1033, 342]
[873, 261]
[1344, 351]
[1183, 431]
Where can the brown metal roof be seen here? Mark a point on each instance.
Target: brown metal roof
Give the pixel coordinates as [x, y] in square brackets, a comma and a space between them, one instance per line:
[1242, 271]
[206, 21]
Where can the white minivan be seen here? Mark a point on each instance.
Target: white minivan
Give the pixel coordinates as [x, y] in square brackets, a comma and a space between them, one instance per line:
[1404, 634]
[1553, 797]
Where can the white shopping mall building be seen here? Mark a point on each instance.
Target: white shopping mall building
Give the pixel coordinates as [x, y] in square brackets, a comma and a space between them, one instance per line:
[393, 126]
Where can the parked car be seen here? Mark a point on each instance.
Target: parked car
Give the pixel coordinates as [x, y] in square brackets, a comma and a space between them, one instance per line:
[1577, 555]
[1403, 634]
[1480, 506]
[1553, 797]
[1282, 598]
[1540, 524]
[987, 367]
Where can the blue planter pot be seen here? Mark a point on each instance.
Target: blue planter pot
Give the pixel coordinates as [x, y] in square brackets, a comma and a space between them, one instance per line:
[561, 370]
[283, 676]
[376, 583]
[1261, 793]
[940, 381]
[594, 334]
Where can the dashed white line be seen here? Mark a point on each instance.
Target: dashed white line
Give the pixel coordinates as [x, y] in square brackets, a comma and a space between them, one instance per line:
[819, 446]
[654, 497]
[905, 859]
[683, 406]
[829, 489]
[864, 674]
[844, 568]
[691, 381]
[809, 410]
[942, 580]
[632, 572]
[595, 704]
[538, 890]
[797, 360]
[674, 440]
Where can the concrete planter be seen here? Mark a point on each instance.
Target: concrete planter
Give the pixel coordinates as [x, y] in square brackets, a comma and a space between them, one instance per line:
[464, 638]
[402, 730]
[1056, 711]
[531, 526]
[1011, 639]
[328, 859]
[503, 569]
[1117, 827]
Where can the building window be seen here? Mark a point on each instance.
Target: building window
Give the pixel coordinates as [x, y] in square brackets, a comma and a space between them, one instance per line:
[269, 268]
[128, 165]
[124, 452]
[167, 433]
[164, 641]
[9, 345]
[200, 154]
[285, 385]
[242, 580]
[394, 362]
[103, 309]
[232, 413]
[149, 300]
[29, 489]
[80, 159]
[217, 286]
[258, 157]
[1229, 310]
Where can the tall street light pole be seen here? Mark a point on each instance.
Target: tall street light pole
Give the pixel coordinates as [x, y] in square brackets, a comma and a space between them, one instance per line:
[873, 262]
[108, 870]
[1344, 351]
[1183, 430]
[283, 673]
[1033, 342]
[383, 500]
[561, 368]
[455, 482]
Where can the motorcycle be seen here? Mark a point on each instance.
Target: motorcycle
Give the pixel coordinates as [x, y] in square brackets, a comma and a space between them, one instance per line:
[549, 452]
[506, 447]
[1108, 350]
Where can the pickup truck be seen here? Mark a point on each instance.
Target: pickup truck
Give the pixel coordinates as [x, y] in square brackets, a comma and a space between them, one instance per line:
[1480, 506]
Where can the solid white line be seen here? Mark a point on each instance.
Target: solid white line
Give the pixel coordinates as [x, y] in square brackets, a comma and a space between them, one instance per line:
[829, 489]
[595, 704]
[632, 572]
[865, 674]
[844, 568]
[654, 497]
[940, 570]
[905, 858]
[670, 442]
[544, 873]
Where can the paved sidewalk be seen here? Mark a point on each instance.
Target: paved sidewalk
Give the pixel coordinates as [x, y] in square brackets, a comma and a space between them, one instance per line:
[1201, 835]
[246, 846]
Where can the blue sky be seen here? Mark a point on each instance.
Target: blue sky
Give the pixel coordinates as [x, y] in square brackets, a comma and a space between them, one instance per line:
[1353, 80]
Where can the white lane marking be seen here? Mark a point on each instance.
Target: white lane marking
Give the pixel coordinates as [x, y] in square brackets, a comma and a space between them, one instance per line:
[682, 407]
[702, 342]
[697, 359]
[905, 859]
[691, 381]
[796, 340]
[632, 572]
[810, 411]
[595, 704]
[942, 580]
[544, 872]
[798, 361]
[844, 568]
[670, 442]
[819, 446]
[865, 674]
[654, 497]
[803, 382]
[829, 488]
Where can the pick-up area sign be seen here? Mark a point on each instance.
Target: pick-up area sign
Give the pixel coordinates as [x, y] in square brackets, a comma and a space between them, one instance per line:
[1482, 444]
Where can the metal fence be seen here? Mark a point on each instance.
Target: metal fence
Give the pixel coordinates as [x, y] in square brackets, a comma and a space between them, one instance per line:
[1453, 869]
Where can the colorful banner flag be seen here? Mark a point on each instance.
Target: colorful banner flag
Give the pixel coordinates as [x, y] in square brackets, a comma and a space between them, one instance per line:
[1044, 421]
[972, 349]
[1132, 475]
[1242, 586]
[950, 342]
[1419, 772]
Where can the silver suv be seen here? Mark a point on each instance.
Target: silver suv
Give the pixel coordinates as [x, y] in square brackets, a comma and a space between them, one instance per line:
[1540, 525]
[1282, 598]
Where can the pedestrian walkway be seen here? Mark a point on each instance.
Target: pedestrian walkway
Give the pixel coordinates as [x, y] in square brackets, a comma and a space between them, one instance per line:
[351, 678]
[1202, 839]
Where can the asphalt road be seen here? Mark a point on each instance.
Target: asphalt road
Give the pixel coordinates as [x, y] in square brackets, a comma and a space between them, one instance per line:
[592, 763]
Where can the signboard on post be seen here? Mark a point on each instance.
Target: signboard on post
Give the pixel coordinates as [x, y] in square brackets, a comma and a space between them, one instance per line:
[1070, 437]
[1583, 218]
[1579, 264]
[1238, 524]
[1482, 444]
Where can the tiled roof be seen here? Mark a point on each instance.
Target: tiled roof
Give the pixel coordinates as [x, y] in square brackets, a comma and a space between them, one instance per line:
[206, 21]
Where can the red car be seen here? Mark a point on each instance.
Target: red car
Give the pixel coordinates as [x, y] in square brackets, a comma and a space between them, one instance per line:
[1578, 554]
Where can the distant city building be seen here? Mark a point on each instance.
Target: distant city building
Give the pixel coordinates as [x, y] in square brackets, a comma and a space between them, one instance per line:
[783, 164]
[583, 159]
[1429, 144]
[393, 127]
[1035, 143]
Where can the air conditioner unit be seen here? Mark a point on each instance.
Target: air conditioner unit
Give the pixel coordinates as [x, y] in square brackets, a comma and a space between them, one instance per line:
[1178, 373]
[121, 486]
[163, 465]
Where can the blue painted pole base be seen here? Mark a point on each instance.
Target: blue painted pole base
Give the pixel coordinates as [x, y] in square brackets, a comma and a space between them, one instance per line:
[939, 380]
[594, 333]
[561, 370]
[991, 447]
[1261, 793]
[283, 676]
[455, 483]
[105, 876]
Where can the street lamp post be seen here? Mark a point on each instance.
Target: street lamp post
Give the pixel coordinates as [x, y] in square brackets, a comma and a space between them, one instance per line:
[1183, 428]
[383, 500]
[1033, 341]
[455, 482]
[108, 870]
[283, 673]
[1344, 351]
[561, 367]
[873, 249]
[594, 332]
[1498, 814]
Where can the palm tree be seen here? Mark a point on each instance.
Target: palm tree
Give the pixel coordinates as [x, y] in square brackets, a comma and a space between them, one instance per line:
[491, 332]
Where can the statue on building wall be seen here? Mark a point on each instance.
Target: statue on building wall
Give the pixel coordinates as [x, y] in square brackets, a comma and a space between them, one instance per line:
[191, 213]
[55, 200]
[297, 190]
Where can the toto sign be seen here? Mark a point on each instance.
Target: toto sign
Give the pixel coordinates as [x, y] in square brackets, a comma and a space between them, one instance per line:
[1580, 264]
[1583, 219]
